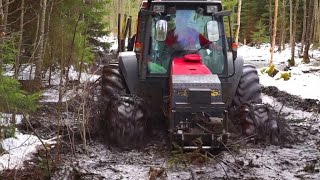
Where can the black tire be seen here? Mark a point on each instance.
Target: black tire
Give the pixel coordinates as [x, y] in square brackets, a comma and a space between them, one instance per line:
[123, 118]
[248, 92]
[112, 82]
[126, 121]
[249, 88]
[257, 118]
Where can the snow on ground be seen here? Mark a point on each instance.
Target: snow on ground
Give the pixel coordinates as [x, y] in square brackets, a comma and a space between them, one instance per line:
[19, 149]
[52, 95]
[111, 39]
[305, 78]
[5, 119]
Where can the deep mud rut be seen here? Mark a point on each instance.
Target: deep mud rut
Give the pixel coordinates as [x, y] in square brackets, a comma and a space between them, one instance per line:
[298, 156]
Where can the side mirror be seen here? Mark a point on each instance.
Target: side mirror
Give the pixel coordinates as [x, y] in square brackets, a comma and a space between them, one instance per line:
[213, 31]
[161, 30]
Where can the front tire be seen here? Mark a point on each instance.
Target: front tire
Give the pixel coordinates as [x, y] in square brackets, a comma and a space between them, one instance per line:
[123, 120]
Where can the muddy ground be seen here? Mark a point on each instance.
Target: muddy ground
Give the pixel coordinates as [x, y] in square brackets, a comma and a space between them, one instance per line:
[79, 155]
[297, 157]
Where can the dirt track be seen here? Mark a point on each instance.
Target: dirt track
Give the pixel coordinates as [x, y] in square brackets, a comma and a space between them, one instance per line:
[296, 158]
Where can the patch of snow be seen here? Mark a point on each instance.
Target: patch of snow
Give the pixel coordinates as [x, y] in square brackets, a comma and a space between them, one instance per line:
[111, 39]
[303, 85]
[5, 119]
[19, 149]
[305, 78]
[52, 95]
[24, 73]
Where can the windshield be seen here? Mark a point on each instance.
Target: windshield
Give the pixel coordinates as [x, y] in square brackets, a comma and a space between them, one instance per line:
[186, 33]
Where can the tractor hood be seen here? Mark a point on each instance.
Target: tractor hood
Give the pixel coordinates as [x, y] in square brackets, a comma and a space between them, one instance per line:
[193, 86]
[189, 64]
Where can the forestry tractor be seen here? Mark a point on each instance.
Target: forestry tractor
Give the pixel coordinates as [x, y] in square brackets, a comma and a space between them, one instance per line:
[183, 72]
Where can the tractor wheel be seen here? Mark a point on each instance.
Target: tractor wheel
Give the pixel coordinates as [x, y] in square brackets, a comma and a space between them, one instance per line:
[255, 117]
[247, 93]
[112, 82]
[249, 89]
[123, 117]
[126, 121]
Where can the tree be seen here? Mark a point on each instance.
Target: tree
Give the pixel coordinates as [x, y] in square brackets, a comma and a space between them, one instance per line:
[316, 39]
[274, 30]
[293, 38]
[40, 53]
[304, 25]
[309, 31]
[17, 63]
[260, 36]
[238, 21]
[283, 26]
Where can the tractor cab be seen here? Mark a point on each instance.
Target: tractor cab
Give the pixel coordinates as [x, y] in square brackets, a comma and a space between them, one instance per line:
[177, 28]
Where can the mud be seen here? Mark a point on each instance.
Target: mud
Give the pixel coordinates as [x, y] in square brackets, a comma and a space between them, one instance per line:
[296, 158]
[76, 157]
[310, 105]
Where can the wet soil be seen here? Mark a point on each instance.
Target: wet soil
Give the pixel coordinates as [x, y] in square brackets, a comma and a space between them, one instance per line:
[80, 155]
[297, 157]
[310, 105]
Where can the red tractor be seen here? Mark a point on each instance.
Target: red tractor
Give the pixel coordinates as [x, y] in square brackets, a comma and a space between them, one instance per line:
[184, 73]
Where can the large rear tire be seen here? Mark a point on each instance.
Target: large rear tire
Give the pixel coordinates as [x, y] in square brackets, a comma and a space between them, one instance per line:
[249, 88]
[123, 118]
[255, 117]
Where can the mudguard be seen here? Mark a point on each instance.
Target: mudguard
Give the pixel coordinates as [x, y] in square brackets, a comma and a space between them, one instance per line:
[128, 64]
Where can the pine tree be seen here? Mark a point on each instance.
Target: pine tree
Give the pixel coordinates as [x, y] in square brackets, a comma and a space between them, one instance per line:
[260, 36]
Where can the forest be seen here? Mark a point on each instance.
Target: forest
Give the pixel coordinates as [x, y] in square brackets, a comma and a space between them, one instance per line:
[43, 42]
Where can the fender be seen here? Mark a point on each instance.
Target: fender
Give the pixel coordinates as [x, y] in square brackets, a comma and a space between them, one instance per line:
[128, 64]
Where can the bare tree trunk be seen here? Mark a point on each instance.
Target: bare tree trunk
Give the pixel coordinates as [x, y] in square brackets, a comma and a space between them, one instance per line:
[306, 58]
[5, 15]
[238, 21]
[35, 46]
[293, 39]
[304, 25]
[276, 3]
[283, 26]
[270, 20]
[291, 15]
[316, 36]
[40, 55]
[17, 65]
[47, 36]
[72, 47]
[62, 68]
[1, 12]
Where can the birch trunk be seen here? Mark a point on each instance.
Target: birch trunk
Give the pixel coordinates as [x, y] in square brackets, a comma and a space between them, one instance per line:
[238, 21]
